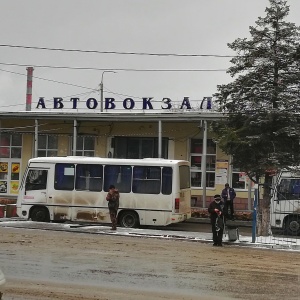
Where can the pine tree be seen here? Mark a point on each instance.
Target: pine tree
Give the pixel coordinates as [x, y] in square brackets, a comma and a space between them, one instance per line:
[262, 131]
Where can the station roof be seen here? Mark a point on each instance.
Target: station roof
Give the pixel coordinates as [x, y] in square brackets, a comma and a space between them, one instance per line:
[185, 116]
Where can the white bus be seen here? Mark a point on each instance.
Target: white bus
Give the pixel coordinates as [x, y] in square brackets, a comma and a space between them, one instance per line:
[74, 188]
[285, 205]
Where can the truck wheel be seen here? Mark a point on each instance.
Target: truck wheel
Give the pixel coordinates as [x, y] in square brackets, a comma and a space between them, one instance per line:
[40, 214]
[129, 219]
[292, 225]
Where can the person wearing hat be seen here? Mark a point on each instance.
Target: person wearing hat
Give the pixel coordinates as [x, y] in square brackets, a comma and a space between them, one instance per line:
[215, 210]
[113, 197]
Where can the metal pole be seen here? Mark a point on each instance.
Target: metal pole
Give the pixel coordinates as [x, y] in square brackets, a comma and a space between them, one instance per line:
[159, 138]
[36, 137]
[203, 163]
[256, 193]
[101, 94]
[101, 89]
[74, 137]
[0, 132]
[249, 193]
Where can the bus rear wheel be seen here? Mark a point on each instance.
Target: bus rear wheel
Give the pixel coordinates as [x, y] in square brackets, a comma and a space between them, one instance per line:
[129, 219]
[40, 214]
[292, 225]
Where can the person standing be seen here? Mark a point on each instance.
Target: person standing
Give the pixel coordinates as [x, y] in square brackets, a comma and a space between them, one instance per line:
[228, 194]
[215, 210]
[113, 197]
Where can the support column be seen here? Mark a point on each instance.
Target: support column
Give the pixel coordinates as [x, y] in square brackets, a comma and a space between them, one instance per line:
[203, 163]
[159, 139]
[36, 137]
[74, 137]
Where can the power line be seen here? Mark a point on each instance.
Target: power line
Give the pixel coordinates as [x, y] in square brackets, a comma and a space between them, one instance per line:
[115, 52]
[68, 96]
[51, 80]
[66, 83]
[115, 69]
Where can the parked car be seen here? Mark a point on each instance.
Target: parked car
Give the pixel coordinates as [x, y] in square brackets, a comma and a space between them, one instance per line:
[2, 282]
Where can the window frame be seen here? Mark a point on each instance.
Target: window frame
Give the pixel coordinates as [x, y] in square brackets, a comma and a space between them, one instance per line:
[211, 159]
[47, 151]
[81, 146]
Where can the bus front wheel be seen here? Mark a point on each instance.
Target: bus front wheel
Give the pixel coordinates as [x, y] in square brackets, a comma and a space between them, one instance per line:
[129, 219]
[292, 225]
[40, 214]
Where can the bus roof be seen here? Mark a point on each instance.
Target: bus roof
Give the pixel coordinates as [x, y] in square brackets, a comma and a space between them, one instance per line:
[101, 160]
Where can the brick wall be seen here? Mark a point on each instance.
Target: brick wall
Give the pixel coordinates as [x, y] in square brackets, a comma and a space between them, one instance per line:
[240, 204]
[7, 201]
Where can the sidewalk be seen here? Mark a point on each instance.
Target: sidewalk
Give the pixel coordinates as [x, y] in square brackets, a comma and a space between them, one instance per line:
[270, 242]
[229, 222]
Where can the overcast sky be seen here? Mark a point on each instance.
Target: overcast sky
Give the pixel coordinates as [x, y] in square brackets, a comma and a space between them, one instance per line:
[140, 26]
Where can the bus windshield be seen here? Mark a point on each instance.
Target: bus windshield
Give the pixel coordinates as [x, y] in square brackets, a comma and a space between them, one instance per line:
[289, 188]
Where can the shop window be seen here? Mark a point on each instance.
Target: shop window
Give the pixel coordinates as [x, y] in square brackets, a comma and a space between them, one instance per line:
[196, 162]
[85, 146]
[47, 145]
[128, 147]
[10, 162]
[10, 145]
[239, 179]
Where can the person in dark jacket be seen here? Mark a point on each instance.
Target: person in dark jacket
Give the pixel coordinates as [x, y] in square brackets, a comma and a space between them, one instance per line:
[113, 197]
[228, 194]
[215, 210]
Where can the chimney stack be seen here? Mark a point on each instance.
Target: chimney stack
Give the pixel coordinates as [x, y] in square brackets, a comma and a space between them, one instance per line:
[29, 88]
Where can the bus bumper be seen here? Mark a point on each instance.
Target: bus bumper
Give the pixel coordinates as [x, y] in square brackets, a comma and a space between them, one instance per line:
[181, 217]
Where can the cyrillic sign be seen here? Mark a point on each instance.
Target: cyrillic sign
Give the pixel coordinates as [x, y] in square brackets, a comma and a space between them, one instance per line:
[127, 103]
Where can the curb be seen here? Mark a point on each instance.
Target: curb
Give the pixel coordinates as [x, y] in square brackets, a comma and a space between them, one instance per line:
[230, 223]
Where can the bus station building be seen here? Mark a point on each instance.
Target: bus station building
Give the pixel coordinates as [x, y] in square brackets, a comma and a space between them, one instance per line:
[174, 135]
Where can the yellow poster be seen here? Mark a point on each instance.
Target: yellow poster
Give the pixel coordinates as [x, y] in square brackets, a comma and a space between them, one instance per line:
[15, 168]
[14, 187]
[3, 186]
[222, 164]
[3, 167]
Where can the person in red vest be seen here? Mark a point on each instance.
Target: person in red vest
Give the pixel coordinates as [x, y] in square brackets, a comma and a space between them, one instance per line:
[113, 197]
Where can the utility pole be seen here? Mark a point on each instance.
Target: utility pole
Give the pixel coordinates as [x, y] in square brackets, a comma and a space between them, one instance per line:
[101, 88]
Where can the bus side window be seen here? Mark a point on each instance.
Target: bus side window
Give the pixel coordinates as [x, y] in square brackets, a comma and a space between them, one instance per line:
[64, 177]
[166, 187]
[120, 176]
[89, 177]
[146, 180]
[36, 180]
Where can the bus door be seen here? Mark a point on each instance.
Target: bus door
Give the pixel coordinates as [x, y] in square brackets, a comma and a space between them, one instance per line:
[36, 186]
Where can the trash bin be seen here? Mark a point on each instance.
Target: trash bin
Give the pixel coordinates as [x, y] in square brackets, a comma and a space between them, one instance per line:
[11, 210]
[233, 233]
[2, 210]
